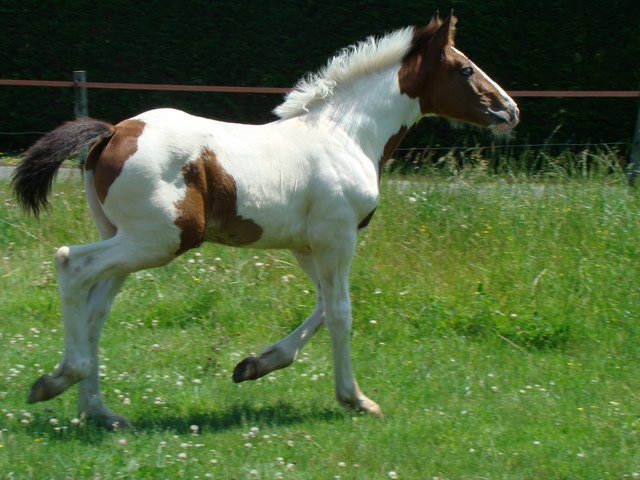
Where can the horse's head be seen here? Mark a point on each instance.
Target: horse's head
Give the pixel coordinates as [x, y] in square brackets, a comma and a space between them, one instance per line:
[447, 83]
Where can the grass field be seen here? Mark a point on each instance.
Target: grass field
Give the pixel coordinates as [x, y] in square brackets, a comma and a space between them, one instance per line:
[496, 323]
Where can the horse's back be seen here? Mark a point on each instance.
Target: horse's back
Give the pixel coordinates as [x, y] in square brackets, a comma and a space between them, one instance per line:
[230, 183]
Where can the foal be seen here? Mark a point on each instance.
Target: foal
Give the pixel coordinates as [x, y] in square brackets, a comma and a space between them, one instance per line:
[165, 181]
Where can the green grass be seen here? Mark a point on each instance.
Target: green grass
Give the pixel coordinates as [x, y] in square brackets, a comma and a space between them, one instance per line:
[495, 322]
[511, 161]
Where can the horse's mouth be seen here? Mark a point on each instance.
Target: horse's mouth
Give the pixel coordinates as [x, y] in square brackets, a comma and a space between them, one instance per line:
[504, 121]
[502, 128]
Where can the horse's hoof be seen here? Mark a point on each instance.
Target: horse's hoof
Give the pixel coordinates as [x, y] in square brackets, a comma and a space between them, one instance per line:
[363, 404]
[42, 389]
[247, 369]
[373, 409]
[114, 422]
[109, 420]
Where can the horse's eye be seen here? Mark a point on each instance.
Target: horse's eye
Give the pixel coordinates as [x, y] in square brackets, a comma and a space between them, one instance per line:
[467, 71]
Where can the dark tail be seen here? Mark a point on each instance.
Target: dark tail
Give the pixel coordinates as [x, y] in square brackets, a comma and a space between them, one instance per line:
[33, 177]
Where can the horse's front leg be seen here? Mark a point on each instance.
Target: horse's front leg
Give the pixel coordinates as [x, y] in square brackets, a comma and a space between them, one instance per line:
[283, 353]
[333, 255]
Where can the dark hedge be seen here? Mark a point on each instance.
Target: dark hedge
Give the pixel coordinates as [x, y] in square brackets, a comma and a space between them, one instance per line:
[522, 45]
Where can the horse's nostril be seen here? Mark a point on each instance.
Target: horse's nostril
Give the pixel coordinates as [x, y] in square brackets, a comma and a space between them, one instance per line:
[502, 116]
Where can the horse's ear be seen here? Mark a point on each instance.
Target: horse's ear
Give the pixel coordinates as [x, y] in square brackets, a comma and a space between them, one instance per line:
[435, 22]
[444, 37]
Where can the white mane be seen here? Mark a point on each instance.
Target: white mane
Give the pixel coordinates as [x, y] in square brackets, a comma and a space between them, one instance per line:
[364, 58]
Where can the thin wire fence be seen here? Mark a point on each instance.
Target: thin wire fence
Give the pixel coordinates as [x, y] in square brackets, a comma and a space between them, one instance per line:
[423, 151]
[513, 146]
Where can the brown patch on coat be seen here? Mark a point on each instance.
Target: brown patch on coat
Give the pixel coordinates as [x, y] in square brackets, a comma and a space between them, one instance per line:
[390, 147]
[365, 221]
[107, 157]
[209, 209]
[387, 151]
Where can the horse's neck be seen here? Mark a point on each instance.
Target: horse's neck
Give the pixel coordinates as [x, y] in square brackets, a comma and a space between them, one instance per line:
[372, 111]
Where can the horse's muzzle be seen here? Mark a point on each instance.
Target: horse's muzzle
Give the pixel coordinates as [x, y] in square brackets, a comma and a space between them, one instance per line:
[504, 120]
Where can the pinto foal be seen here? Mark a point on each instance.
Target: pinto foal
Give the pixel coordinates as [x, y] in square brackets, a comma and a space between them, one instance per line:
[165, 181]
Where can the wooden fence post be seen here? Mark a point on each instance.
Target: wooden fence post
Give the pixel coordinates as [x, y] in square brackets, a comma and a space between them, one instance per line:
[634, 157]
[81, 105]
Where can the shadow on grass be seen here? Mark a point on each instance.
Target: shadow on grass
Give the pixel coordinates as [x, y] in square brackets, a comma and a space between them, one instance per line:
[280, 414]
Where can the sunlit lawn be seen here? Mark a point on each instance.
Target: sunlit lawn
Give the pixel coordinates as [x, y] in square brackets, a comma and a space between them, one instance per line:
[496, 324]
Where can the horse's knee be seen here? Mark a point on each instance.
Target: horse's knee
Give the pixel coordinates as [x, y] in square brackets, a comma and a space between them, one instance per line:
[62, 258]
[72, 271]
[338, 319]
[63, 264]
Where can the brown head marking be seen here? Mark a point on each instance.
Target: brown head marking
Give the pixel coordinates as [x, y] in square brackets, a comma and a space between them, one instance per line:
[447, 83]
[209, 208]
[107, 157]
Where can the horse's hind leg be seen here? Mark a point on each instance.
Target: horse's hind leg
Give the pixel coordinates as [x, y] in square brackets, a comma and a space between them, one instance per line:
[90, 402]
[74, 281]
[80, 269]
[282, 353]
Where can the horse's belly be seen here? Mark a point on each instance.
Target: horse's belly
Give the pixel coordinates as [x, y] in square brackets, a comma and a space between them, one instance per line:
[258, 232]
